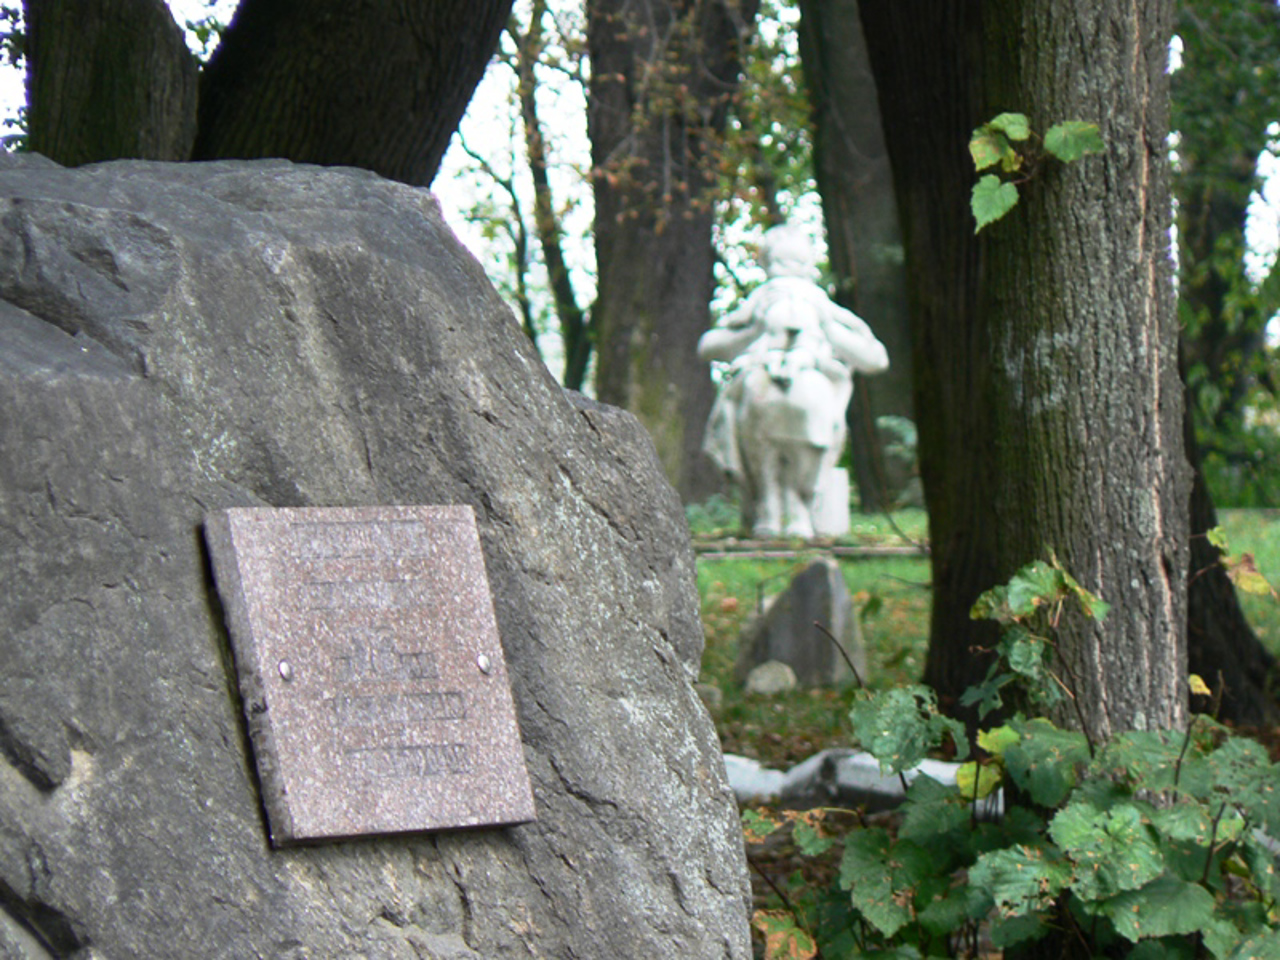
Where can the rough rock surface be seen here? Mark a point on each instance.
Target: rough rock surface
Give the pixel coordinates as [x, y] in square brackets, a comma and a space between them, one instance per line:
[181, 338]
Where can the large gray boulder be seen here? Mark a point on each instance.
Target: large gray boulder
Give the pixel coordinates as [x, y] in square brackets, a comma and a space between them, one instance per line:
[176, 339]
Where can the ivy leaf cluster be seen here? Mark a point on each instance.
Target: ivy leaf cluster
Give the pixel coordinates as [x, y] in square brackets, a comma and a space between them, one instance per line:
[1008, 143]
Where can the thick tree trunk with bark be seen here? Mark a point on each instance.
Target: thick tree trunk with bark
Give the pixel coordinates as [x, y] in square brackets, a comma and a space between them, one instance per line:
[378, 84]
[864, 243]
[922, 57]
[662, 75]
[1048, 395]
[108, 79]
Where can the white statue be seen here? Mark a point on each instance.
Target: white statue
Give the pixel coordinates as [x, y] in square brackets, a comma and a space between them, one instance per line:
[778, 424]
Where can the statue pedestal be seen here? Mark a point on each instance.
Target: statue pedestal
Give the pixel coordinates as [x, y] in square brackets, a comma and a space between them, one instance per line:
[831, 504]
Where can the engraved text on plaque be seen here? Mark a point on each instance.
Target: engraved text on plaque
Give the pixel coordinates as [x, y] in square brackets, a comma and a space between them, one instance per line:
[372, 675]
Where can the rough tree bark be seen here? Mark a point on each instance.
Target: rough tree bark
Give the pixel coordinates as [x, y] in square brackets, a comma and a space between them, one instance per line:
[662, 75]
[1048, 397]
[864, 243]
[109, 78]
[378, 84]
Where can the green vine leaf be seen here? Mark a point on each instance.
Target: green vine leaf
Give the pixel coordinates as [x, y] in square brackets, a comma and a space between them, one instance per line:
[1044, 761]
[784, 939]
[1015, 126]
[991, 200]
[881, 875]
[899, 727]
[809, 841]
[977, 782]
[1163, 907]
[1112, 849]
[1073, 139]
[1035, 584]
[756, 826]
[989, 147]
[991, 143]
[1022, 880]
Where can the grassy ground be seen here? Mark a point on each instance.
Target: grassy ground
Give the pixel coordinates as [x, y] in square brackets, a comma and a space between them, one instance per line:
[891, 595]
[892, 598]
[1258, 532]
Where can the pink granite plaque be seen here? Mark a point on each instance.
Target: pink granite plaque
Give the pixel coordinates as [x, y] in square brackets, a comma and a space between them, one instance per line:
[373, 679]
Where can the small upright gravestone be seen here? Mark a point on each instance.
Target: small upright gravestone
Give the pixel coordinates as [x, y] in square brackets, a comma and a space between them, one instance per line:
[785, 631]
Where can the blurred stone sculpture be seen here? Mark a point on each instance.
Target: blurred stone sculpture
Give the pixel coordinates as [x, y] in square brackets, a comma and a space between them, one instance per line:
[778, 424]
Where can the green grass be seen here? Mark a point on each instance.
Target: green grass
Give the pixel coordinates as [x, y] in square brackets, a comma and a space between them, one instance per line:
[891, 595]
[1257, 532]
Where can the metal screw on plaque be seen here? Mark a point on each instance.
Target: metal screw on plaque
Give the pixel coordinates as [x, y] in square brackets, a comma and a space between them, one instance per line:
[483, 663]
[286, 670]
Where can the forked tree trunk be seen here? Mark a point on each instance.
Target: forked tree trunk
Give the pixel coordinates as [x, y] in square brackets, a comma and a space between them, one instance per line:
[109, 79]
[1049, 402]
[378, 84]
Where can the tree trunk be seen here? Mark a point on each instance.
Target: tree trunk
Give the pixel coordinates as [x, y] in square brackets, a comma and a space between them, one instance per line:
[1048, 395]
[662, 75]
[108, 79]
[917, 50]
[864, 243]
[366, 83]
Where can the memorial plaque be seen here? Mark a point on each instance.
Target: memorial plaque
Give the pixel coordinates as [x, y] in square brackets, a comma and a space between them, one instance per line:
[372, 675]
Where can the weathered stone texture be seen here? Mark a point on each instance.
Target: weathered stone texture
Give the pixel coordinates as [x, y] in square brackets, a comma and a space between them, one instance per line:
[176, 339]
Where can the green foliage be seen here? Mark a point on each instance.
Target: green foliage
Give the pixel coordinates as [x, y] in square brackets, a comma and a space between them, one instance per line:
[901, 726]
[718, 515]
[1224, 107]
[992, 199]
[1008, 142]
[1255, 533]
[1072, 140]
[207, 31]
[1151, 840]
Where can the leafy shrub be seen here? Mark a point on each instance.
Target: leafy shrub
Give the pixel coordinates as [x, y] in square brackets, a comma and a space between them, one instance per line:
[1150, 844]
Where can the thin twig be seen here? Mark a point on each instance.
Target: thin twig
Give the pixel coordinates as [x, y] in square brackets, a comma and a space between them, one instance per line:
[1213, 839]
[786, 901]
[902, 777]
[839, 646]
[1177, 767]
